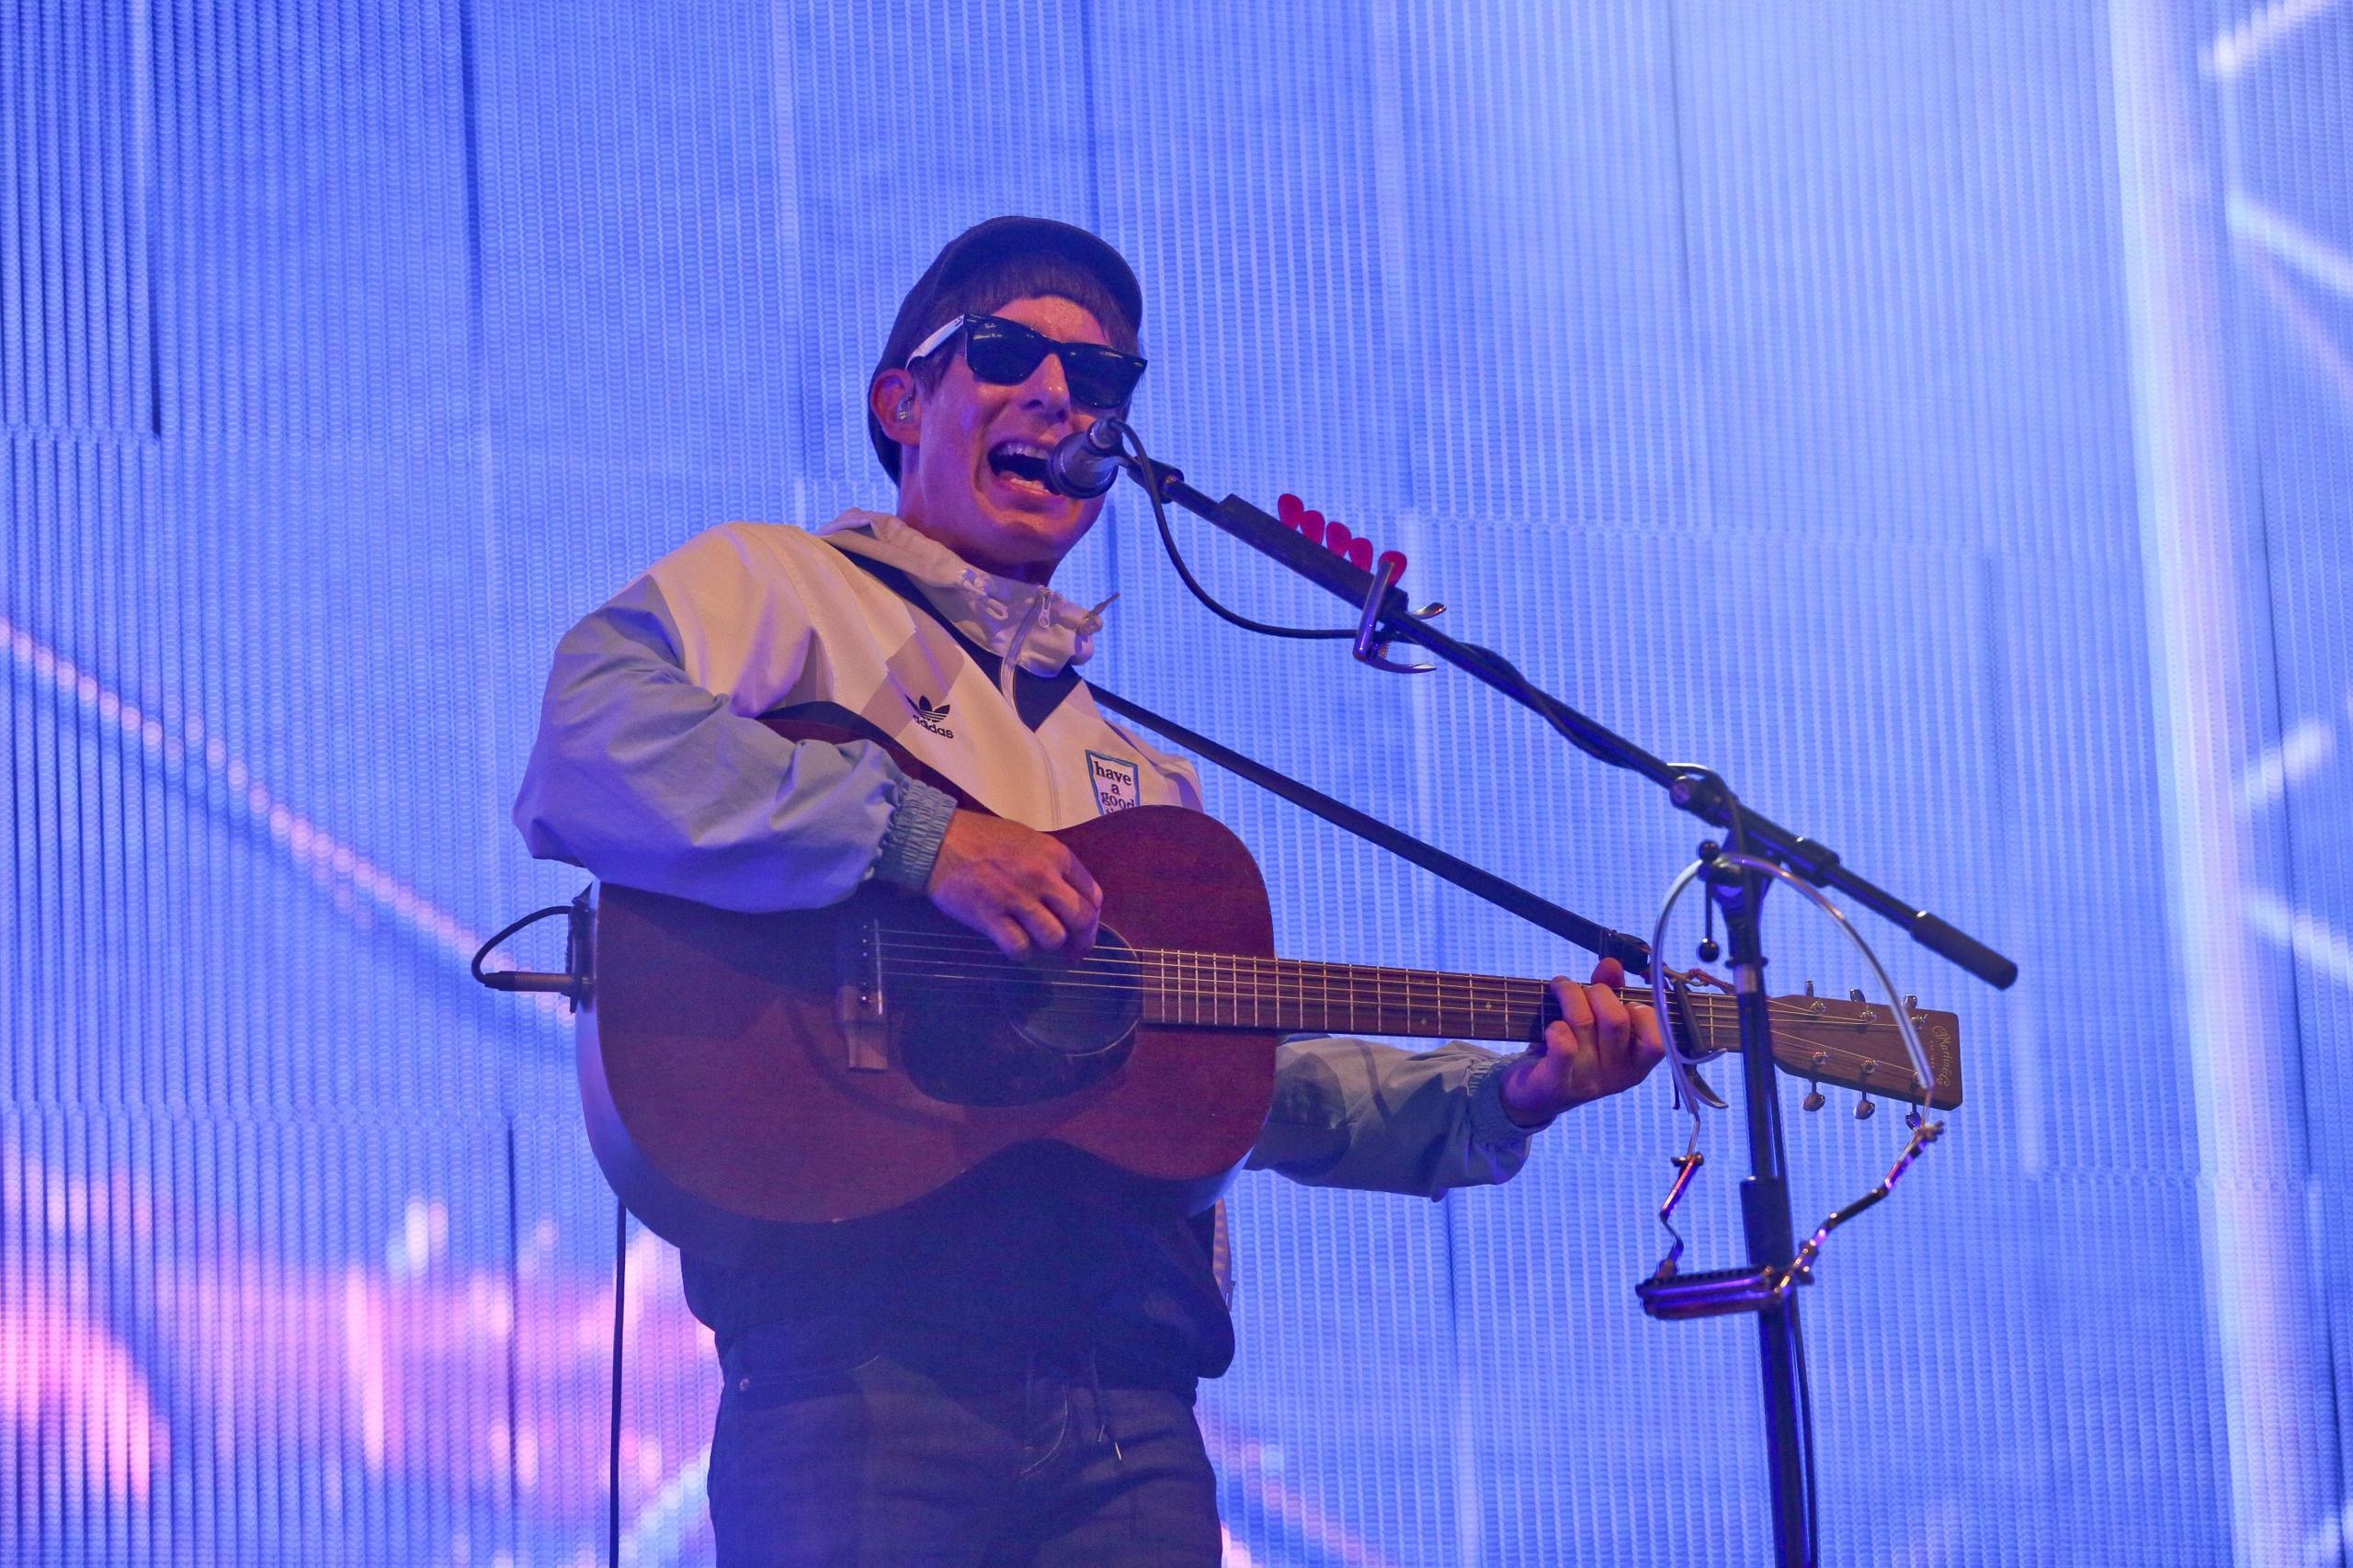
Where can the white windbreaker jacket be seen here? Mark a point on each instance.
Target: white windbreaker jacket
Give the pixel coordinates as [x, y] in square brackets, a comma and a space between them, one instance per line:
[651, 770]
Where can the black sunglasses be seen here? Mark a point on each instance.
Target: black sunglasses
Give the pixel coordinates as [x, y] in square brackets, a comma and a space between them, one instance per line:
[1005, 353]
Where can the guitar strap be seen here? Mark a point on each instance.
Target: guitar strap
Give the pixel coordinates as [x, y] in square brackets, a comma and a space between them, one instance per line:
[1510, 897]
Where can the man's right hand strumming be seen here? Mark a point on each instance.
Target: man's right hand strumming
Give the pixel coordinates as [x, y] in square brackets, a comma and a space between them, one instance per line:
[1013, 886]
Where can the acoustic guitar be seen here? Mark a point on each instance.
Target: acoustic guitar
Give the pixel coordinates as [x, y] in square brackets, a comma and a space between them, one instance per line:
[746, 1075]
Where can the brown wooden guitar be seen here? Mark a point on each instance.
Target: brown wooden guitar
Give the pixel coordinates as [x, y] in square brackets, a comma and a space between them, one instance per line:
[744, 1074]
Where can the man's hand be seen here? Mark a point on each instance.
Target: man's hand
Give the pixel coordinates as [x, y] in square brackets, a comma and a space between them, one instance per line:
[1013, 886]
[1599, 1046]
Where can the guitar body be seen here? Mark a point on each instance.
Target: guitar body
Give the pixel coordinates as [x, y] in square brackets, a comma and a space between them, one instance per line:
[740, 1079]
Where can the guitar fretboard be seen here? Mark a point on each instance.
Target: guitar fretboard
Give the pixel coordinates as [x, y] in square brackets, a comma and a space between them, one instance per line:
[1297, 995]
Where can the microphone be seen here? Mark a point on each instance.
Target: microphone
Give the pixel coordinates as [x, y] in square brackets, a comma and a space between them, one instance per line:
[1086, 462]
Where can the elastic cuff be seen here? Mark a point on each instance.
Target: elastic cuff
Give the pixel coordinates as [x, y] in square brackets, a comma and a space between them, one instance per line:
[1490, 1123]
[911, 844]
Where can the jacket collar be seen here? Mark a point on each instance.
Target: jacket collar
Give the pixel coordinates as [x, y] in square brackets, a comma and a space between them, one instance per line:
[1028, 625]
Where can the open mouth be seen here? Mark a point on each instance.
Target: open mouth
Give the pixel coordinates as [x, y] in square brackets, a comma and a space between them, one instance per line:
[1021, 464]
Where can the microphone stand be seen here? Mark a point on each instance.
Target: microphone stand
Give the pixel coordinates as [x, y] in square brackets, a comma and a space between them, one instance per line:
[1384, 619]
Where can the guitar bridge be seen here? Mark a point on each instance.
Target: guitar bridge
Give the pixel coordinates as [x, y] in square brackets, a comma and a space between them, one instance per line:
[858, 999]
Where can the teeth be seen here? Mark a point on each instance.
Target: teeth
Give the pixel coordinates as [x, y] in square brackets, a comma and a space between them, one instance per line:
[1008, 459]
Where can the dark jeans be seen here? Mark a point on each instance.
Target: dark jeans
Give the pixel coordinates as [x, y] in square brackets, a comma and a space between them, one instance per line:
[840, 1447]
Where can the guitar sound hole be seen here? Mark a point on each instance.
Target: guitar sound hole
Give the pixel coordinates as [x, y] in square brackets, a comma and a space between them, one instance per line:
[1030, 1032]
[1083, 1010]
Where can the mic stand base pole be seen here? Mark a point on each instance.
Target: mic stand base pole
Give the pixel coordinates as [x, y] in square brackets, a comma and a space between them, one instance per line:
[1768, 1228]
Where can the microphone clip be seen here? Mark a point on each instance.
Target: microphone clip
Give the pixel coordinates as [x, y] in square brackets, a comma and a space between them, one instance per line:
[1371, 647]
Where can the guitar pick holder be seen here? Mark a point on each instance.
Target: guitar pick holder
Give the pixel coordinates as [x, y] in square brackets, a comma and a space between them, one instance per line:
[1766, 1287]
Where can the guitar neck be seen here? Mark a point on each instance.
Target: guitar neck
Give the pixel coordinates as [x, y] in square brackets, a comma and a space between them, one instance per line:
[1297, 997]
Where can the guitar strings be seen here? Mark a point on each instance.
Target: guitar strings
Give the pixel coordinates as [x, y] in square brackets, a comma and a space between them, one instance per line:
[1788, 1037]
[911, 941]
[1217, 970]
[1209, 976]
[1301, 970]
[1219, 980]
[1205, 999]
[1224, 974]
[1235, 969]
[953, 983]
[961, 941]
[1192, 976]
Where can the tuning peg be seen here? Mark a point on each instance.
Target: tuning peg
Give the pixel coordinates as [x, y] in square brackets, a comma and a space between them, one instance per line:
[1814, 1098]
[1809, 987]
[1864, 1109]
[1912, 1119]
[1911, 1002]
[1855, 995]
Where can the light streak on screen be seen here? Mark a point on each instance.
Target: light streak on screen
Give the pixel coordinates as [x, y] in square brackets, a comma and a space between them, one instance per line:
[1804, 389]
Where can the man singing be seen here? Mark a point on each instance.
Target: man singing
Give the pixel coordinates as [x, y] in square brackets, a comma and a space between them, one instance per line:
[1002, 1372]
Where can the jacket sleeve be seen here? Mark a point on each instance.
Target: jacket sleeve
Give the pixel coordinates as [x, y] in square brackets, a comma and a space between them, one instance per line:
[1353, 1113]
[649, 780]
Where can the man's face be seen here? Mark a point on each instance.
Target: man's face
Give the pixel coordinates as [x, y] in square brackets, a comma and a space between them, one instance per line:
[954, 485]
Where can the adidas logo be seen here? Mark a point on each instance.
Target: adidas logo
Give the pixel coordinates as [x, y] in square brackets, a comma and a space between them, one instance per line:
[932, 719]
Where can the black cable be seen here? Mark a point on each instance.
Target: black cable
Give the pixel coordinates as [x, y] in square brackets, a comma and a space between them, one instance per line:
[1150, 475]
[1546, 708]
[492, 946]
[613, 1454]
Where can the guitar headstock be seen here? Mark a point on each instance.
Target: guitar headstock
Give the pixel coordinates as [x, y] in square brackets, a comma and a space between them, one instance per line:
[1855, 1043]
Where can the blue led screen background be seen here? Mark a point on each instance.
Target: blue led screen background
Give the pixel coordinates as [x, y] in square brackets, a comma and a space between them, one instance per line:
[1939, 418]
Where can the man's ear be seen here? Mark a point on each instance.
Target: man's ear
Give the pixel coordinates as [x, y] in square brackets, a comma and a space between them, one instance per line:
[897, 402]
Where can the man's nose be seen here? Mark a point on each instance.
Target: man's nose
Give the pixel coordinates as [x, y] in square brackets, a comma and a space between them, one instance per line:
[1048, 388]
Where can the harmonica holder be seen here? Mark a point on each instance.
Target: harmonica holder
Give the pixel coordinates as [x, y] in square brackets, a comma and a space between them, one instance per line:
[1671, 1294]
